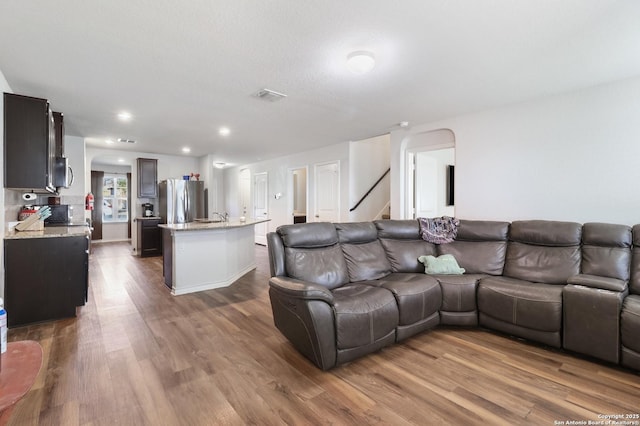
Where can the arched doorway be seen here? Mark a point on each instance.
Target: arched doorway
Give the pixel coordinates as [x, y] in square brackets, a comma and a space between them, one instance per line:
[429, 174]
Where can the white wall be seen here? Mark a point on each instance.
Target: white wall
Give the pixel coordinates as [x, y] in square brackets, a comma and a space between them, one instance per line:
[278, 172]
[4, 87]
[213, 179]
[571, 157]
[368, 160]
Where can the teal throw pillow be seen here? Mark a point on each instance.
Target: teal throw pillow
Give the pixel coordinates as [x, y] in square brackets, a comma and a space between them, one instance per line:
[445, 265]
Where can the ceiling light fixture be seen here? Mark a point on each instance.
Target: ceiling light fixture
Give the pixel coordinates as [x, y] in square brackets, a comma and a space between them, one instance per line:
[224, 131]
[120, 160]
[186, 150]
[360, 62]
[219, 165]
[109, 142]
[124, 116]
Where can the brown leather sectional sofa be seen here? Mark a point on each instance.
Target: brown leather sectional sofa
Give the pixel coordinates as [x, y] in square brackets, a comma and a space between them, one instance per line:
[340, 291]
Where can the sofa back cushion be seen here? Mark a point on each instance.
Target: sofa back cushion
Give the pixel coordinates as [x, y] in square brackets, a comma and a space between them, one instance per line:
[312, 254]
[403, 245]
[634, 284]
[480, 246]
[365, 257]
[606, 250]
[543, 251]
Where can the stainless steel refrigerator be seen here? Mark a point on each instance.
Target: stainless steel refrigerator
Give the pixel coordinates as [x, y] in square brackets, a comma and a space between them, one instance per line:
[181, 201]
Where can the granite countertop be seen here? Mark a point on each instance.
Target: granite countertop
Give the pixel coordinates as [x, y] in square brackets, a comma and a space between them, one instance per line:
[49, 232]
[148, 218]
[204, 225]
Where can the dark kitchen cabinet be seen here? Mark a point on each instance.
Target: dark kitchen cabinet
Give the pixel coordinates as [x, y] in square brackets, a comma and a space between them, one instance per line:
[29, 143]
[45, 278]
[149, 237]
[147, 178]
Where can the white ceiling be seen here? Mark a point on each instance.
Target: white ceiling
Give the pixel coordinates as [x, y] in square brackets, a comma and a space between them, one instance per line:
[183, 69]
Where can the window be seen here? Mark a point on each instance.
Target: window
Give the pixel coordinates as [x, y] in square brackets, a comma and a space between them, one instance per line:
[114, 199]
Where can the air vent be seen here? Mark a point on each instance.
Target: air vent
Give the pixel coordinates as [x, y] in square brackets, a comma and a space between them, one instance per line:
[126, 140]
[269, 95]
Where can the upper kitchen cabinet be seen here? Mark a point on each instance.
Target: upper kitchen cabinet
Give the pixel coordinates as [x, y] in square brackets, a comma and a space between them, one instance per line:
[147, 178]
[29, 143]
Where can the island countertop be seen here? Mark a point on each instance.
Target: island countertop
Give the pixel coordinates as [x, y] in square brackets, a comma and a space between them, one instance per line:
[204, 225]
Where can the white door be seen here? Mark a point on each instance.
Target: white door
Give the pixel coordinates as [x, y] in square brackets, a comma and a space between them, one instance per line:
[426, 185]
[261, 205]
[327, 192]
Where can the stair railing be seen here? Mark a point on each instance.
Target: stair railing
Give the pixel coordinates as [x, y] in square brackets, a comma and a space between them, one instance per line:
[370, 190]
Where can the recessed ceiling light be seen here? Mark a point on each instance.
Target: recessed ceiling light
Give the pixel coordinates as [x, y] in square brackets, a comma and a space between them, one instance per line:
[224, 131]
[120, 160]
[360, 62]
[186, 150]
[109, 142]
[219, 165]
[124, 116]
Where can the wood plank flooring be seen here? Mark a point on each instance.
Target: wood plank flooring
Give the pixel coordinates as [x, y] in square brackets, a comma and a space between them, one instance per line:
[136, 355]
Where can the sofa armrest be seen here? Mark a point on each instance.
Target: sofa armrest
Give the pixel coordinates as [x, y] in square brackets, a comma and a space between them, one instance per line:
[304, 314]
[299, 289]
[594, 281]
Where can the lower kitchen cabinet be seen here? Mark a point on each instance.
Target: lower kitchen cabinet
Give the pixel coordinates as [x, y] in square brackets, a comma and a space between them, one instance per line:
[149, 238]
[45, 278]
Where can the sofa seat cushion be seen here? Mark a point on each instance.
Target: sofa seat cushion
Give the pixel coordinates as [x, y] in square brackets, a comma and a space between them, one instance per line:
[630, 323]
[522, 303]
[418, 296]
[363, 315]
[459, 292]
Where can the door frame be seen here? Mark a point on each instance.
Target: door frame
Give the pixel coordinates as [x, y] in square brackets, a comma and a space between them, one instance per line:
[292, 188]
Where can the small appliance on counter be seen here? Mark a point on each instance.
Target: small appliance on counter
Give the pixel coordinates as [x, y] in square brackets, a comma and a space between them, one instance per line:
[60, 215]
[147, 210]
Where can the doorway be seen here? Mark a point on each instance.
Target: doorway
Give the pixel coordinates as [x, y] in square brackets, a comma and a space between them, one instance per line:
[432, 183]
[111, 217]
[298, 189]
[429, 174]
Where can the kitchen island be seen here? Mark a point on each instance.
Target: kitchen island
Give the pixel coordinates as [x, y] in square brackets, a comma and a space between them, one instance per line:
[201, 256]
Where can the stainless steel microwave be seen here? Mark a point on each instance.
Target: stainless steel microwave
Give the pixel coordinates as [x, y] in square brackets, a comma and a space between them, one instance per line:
[62, 173]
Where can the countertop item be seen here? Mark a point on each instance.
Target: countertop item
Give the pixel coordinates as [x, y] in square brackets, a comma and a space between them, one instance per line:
[203, 226]
[49, 232]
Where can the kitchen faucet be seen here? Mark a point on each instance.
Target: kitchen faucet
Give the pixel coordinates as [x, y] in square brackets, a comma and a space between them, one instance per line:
[224, 217]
